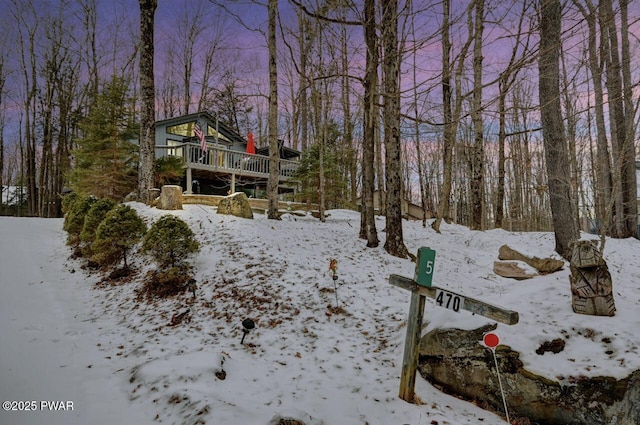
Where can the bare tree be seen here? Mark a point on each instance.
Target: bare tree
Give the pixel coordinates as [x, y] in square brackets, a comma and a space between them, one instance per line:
[305, 40]
[349, 148]
[628, 176]
[367, 222]
[90, 21]
[394, 243]
[506, 80]
[604, 180]
[615, 60]
[274, 157]
[477, 157]
[55, 101]
[147, 107]
[448, 139]
[167, 92]
[565, 227]
[421, 179]
[24, 14]
[452, 107]
[190, 24]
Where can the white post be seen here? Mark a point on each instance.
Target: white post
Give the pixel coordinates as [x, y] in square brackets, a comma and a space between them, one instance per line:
[189, 181]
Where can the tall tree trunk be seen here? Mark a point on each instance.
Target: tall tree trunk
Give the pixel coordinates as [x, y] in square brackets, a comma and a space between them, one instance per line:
[422, 181]
[28, 69]
[394, 243]
[303, 84]
[572, 123]
[611, 59]
[189, 26]
[449, 138]
[555, 147]
[90, 18]
[505, 82]
[603, 157]
[477, 156]
[147, 99]
[324, 110]
[348, 145]
[207, 70]
[66, 97]
[367, 222]
[452, 112]
[628, 175]
[502, 138]
[274, 157]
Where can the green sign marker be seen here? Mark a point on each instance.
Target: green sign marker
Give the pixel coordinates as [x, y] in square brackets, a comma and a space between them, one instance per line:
[424, 266]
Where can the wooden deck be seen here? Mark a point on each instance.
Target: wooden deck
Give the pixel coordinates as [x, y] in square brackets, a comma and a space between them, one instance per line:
[227, 161]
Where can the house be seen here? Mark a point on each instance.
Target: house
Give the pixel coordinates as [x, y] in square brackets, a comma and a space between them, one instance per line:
[225, 161]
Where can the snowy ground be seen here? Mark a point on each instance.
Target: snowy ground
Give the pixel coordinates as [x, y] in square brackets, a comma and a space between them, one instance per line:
[65, 337]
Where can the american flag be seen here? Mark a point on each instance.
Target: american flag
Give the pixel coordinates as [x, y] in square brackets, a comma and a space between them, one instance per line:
[200, 135]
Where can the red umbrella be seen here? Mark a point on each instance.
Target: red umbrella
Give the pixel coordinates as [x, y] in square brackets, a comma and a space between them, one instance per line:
[251, 147]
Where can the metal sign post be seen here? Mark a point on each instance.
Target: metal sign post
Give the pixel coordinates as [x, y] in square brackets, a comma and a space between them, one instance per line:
[421, 288]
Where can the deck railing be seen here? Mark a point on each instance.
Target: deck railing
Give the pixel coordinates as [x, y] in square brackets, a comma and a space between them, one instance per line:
[229, 161]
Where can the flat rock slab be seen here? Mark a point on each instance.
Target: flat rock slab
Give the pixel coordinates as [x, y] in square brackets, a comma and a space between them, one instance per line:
[512, 269]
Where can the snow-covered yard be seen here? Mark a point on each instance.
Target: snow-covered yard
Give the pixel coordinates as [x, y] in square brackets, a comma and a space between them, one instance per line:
[65, 337]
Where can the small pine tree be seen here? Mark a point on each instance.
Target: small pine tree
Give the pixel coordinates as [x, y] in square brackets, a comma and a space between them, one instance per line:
[74, 218]
[92, 220]
[170, 241]
[121, 229]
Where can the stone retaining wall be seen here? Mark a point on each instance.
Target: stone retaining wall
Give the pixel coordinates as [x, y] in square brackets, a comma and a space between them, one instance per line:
[256, 204]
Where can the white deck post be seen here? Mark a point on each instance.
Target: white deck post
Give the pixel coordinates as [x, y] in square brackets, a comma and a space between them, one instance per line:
[189, 181]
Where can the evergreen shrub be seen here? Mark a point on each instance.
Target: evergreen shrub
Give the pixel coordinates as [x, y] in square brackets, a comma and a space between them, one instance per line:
[92, 220]
[169, 242]
[77, 209]
[119, 232]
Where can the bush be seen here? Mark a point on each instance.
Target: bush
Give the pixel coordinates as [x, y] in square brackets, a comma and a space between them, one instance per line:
[170, 241]
[68, 200]
[77, 209]
[116, 235]
[92, 220]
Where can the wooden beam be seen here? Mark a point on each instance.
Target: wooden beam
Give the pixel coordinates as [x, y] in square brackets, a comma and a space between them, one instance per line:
[496, 313]
[411, 347]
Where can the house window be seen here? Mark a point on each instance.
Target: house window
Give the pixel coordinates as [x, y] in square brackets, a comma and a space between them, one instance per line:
[211, 131]
[185, 129]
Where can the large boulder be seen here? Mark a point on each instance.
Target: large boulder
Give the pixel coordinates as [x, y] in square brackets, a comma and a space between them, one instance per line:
[236, 204]
[454, 361]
